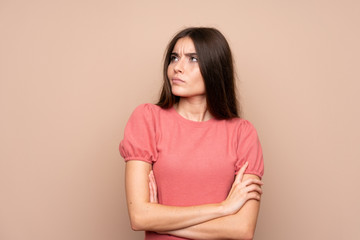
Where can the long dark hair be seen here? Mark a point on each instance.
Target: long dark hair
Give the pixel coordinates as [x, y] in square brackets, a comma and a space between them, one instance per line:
[217, 70]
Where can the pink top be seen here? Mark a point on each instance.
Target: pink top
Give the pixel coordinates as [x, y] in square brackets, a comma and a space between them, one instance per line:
[193, 162]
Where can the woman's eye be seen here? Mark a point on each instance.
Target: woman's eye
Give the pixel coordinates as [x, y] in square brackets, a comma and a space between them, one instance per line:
[193, 59]
[174, 58]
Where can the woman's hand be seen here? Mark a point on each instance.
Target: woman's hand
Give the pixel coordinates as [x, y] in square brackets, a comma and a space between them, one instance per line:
[149, 216]
[153, 188]
[241, 191]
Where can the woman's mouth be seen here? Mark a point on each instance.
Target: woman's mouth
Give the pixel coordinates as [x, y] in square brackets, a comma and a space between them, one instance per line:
[177, 81]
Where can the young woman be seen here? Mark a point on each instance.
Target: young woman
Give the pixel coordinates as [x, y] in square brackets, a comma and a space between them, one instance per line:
[193, 166]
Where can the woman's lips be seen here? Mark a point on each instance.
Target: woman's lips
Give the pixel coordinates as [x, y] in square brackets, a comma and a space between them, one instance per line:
[177, 81]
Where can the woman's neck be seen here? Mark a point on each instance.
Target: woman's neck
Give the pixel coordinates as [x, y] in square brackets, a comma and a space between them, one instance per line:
[194, 109]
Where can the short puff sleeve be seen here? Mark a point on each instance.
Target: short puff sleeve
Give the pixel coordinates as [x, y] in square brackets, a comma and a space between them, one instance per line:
[139, 141]
[249, 150]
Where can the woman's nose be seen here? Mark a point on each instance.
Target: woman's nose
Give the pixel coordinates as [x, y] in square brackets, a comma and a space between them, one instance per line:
[179, 66]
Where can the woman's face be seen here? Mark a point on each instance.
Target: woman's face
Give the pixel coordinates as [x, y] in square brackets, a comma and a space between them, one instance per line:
[184, 72]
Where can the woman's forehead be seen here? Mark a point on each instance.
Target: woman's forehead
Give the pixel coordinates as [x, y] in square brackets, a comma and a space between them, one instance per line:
[184, 45]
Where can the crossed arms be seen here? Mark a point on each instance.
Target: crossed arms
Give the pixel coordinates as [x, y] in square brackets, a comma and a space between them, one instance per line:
[233, 218]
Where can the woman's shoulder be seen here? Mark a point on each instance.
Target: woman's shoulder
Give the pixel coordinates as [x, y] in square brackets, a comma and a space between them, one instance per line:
[147, 108]
[241, 125]
[148, 111]
[240, 122]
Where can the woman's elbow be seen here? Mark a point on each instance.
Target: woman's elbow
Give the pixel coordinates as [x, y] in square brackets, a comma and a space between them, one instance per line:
[138, 220]
[141, 217]
[245, 233]
[248, 236]
[244, 236]
[136, 223]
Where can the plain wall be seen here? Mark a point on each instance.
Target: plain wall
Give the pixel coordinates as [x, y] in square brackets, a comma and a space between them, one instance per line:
[72, 71]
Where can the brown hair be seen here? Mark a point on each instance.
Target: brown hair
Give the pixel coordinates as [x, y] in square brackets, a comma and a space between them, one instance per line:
[217, 70]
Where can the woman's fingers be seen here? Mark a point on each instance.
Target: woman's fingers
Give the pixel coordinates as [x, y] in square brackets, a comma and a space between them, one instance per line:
[242, 190]
[240, 174]
[152, 188]
[254, 195]
[253, 188]
[252, 181]
[151, 192]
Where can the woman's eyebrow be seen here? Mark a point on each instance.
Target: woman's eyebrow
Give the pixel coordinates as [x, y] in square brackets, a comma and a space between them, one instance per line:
[186, 54]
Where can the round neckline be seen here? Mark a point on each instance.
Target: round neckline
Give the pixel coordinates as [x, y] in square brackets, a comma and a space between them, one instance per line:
[191, 122]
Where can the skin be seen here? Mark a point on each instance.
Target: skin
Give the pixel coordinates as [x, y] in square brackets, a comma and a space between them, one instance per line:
[187, 82]
[233, 218]
[220, 228]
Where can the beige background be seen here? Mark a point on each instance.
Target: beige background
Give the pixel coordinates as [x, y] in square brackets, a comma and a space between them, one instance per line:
[72, 71]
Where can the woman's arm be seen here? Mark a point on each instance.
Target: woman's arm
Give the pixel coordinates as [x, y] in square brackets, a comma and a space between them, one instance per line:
[237, 226]
[148, 216]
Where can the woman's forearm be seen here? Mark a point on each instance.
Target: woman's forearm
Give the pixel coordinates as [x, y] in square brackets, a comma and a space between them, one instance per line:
[160, 218]
[238, 226]
[148, 216]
